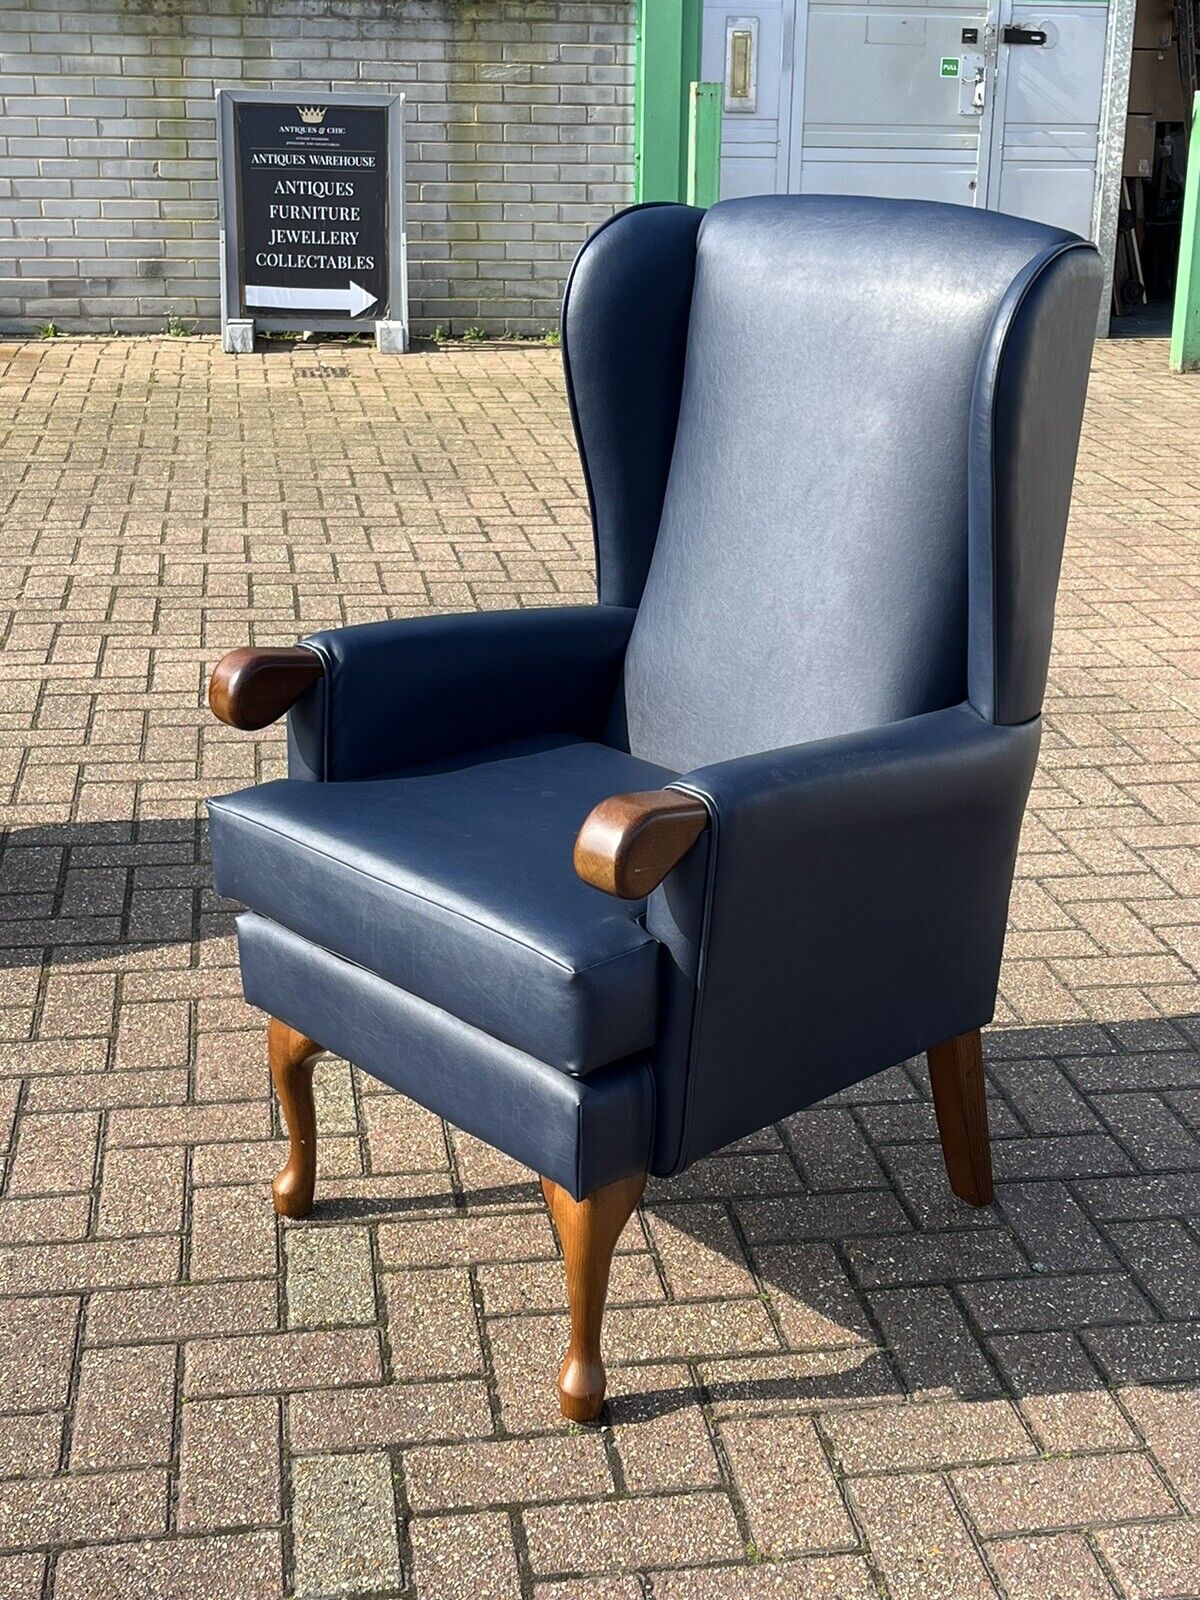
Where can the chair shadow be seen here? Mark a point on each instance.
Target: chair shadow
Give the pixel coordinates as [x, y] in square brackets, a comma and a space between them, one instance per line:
[881, 1285]
[874, 1282]
[85, 892]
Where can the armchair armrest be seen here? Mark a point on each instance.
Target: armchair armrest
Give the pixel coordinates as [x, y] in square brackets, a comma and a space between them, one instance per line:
[387, 695]
[850, 915]
[251, 688]
[630, 842]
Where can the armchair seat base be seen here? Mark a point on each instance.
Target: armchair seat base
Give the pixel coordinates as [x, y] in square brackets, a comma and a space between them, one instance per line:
[454, 882]
[578, 1132]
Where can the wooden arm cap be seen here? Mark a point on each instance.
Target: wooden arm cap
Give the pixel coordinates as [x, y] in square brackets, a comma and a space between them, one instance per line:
[251, 688]
[629, 843]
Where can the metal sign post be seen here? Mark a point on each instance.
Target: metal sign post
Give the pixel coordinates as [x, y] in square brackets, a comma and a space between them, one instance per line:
[312, 215]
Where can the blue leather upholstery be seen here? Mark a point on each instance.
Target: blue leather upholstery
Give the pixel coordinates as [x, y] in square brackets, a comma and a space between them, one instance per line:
[396, 694]
[1025, 417]
[624, 332]
[810, 572]
[455, 883]
[852, 914]
[828, 444]
[581, 1132]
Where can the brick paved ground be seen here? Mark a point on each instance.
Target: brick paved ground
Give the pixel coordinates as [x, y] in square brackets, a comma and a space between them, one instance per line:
[831, 1381]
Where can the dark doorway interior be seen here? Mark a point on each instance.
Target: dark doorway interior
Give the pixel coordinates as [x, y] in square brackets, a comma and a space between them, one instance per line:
[1163, 80]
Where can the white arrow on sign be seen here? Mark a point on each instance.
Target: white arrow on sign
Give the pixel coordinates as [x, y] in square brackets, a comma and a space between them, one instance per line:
[277, 297]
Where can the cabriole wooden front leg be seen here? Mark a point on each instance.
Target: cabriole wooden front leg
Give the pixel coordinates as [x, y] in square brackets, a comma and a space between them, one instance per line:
[589, 1230]
[956, 1074]
[292, 1059]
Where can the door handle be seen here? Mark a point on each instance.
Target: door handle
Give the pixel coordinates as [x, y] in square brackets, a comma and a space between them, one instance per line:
[1015, 35]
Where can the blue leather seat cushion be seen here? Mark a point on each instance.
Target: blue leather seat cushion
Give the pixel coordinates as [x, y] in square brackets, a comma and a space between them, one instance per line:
[454, 882]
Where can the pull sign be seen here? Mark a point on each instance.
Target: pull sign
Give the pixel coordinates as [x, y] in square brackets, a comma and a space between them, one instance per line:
[1014, 35]
[741, 64]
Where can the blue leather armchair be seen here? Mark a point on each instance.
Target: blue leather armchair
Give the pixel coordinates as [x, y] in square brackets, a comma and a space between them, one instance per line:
[611, 886]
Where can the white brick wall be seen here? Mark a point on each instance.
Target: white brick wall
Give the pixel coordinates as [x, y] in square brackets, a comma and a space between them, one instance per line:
[519, 139]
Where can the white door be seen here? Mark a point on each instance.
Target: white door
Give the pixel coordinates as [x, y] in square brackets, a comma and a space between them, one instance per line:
[893, 100]
[750, 48]
[1045, 130]
[988, 102]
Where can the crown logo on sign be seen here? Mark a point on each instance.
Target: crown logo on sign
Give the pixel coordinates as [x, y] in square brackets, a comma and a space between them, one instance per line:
[312, 114]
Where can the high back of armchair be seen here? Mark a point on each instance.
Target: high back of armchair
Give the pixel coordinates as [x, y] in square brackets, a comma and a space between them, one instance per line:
[847, 396]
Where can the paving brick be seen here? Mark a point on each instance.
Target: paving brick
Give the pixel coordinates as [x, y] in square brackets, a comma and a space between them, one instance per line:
[460, 1241]
[1052, 1228]
[465, 1558]
[934, 1258]
[326, 1419]
[92, 1507]
[445, 1477]
[1062, 1301]
[235, 1566]
[1063, 1493]
[919, 1540]
[787, 1486]
[229, 1463]
[54, 1153]
[812, 1297]
[700, 1252]
[1161, 1353]
[1152, 1561]
[58, 1218]
[280, 1361]
[627, 1588]
[402, 1136]
[36, 1269]
[657, 1531]
[1052, 1567]
[696, 1328]
[931, 1342]
[22, 1577]
[30, 1445]
[432, 1326]
[659, 1430]
[125, 1408]
[37, 1343]
[181, 1311]
[232, 1234]
[898, 1438]
[1166, 1260]
[344, 1524]
[141, 1191]
[330, 1277]
[817, 1578]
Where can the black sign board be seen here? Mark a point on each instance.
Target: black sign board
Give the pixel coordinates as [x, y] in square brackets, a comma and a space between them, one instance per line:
[310, 188]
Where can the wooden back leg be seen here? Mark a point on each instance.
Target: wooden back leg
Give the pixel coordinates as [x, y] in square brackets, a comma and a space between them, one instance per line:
[956, 1074]
[293, 1057]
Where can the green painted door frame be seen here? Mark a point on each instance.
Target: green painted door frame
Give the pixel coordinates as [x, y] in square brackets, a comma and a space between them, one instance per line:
[668, 62]
[703, 187]
[1185, 325]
